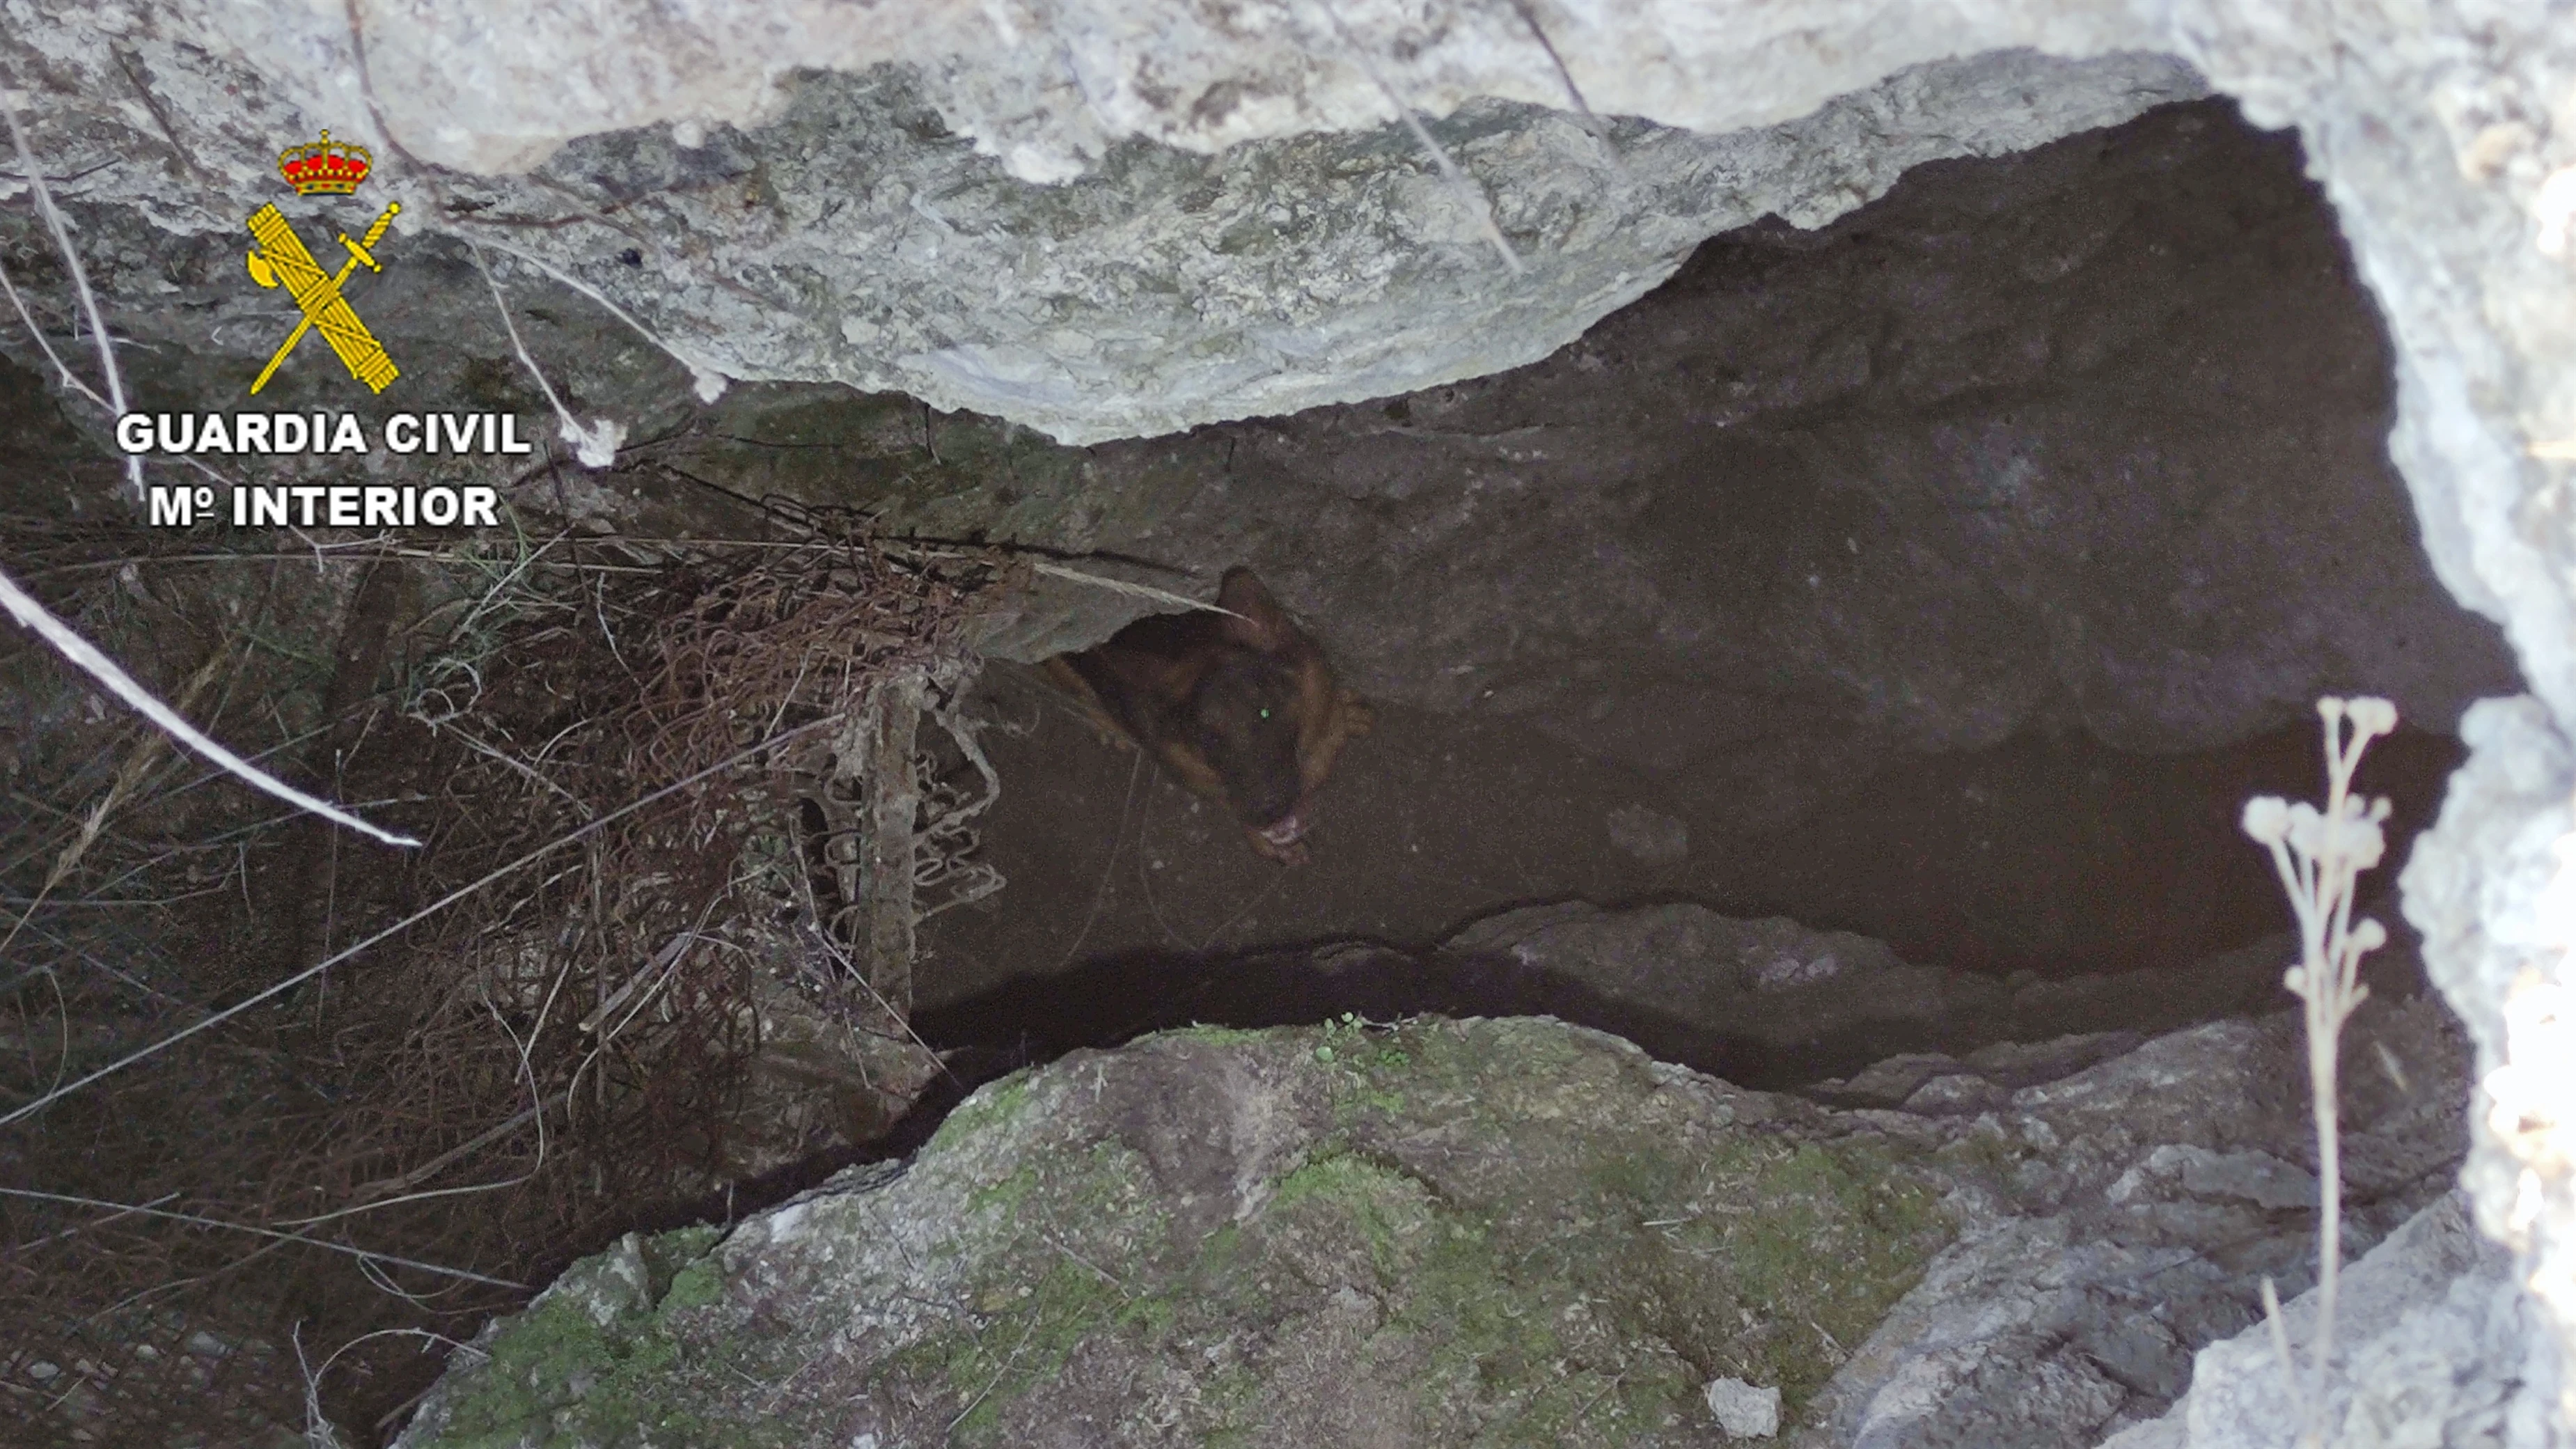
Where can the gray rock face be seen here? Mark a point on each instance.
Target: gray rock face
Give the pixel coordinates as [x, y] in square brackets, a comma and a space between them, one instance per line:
[1743, 1411]
[1750, 530]
[2487, 888]
[2430, 1349]
[1436, 1231]
[2088, 438]
[853, 236]
[1770, 981]
[1828, 498]
[1837, 1017]
[1777, 1002]
[2074, 1309]
[2092, 437]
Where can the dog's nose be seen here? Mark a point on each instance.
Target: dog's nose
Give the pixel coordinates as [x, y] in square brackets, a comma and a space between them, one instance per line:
[1286, 829]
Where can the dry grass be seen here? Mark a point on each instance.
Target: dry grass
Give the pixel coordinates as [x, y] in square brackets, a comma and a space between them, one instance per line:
[359, 1170]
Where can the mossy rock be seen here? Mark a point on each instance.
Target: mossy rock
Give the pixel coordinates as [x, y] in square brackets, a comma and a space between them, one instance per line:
[1437, 1232]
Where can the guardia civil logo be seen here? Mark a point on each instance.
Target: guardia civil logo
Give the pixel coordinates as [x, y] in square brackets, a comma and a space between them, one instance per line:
[322, 168]
[328, 169]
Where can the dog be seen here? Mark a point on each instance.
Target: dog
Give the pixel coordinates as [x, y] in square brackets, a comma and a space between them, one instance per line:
[1241, 707]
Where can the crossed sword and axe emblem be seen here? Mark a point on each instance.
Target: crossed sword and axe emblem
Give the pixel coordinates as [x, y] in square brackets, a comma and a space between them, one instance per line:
[281, 257]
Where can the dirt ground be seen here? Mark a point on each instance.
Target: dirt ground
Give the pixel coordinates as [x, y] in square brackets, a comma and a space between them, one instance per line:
[2056, 857]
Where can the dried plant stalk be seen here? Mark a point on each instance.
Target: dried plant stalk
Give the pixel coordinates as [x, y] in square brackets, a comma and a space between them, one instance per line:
[2318, 856]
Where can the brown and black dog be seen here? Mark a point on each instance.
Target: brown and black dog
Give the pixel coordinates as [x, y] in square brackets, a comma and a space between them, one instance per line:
[1241, 707]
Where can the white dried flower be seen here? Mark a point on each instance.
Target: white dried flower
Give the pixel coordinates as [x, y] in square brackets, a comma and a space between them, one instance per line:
[2267, 818]
[2359, 841]
[2307, 830]
[2333, 846]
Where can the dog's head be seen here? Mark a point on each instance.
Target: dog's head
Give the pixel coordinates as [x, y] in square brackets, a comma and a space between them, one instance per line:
[1247, 716]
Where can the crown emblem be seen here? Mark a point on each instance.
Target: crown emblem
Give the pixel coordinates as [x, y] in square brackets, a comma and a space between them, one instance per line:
[325, 168]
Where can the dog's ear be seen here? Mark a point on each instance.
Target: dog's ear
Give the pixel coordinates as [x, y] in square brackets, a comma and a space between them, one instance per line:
[1257, 621]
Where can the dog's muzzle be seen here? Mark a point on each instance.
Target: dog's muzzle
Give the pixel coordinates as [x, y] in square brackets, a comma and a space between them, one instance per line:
[1287, 829]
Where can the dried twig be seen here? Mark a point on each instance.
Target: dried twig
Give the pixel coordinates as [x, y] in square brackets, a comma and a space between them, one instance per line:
[1459, 182]
[195, 1220]
[1538, 32]
[424, 913]
[106, 671]
[595, 443]
[574, 678]
[1140, 591]
[138, 762]
[44, 195]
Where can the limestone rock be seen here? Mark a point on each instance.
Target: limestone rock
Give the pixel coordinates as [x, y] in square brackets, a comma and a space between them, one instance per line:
[1782, 1004]
[1351, 1235]
[2092, 437]
[829, 224]
[2430, 1342]
[1430, 1231]
[2073, 1310]
[1916, 482]
[1743, 1411]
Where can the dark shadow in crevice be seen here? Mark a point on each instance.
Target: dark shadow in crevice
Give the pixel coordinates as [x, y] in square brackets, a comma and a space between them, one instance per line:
[1106, 1002]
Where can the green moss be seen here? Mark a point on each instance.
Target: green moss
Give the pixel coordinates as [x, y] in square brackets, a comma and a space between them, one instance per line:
[1766, 1255]
[1154, 1315]
[680, 1257]
[1553, 1253]
[1733, 1253]
[557, 1374]
[1371, 1065]
[1385, 1205]
[1338, 1177]
[1026, 1345]
[1727, 1252]
[1463, 1295]
[1230, 1397]
[1007, 1196]
[695, 1286]
[994, 1102]
[556, 1367]
[1641, 1177]
[1059, 1278]
[1481, 1323]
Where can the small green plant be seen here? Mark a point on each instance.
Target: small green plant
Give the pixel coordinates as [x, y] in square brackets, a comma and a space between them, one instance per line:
[2318, 855]
[1340, 1036]
[1346, 1037]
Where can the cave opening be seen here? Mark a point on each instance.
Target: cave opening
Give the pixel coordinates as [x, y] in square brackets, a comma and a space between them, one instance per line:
[1949, 575]
[1861, 644]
